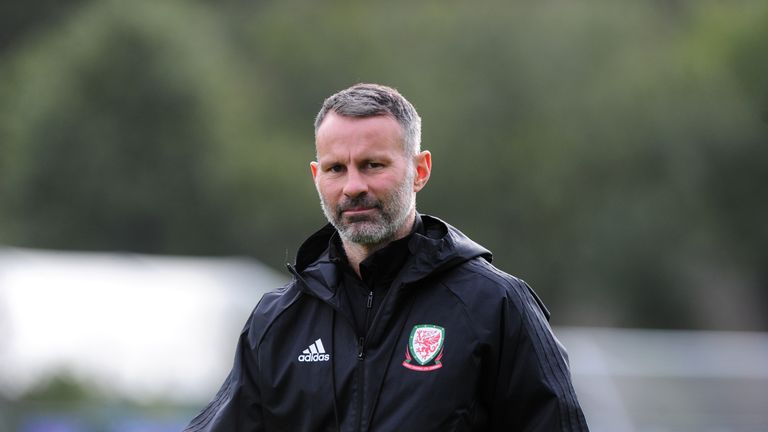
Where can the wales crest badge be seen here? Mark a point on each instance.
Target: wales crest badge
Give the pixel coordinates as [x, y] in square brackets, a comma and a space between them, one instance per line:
[425, 348]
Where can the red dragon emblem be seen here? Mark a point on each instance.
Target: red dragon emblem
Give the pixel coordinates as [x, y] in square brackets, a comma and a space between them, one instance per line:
[424, 345]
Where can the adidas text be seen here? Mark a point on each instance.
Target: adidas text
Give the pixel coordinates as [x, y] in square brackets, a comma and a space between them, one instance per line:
[314, 357]
[315, 353]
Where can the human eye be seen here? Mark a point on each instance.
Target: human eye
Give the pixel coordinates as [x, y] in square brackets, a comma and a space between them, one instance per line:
[336, 168]
[374, 165]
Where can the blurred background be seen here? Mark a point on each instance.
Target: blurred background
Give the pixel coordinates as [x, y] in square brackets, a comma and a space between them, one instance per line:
[154, 180]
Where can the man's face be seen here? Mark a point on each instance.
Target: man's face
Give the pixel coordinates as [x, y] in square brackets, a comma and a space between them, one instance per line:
[364, 179]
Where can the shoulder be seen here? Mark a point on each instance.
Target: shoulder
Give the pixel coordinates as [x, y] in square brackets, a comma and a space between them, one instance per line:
[479, 277]
[479, 283]
[269, 309]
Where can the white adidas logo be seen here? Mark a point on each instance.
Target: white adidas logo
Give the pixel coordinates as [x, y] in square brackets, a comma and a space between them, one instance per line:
[315, 353]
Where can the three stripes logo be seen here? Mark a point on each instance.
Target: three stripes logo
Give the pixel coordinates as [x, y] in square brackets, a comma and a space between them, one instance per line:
[315, 353]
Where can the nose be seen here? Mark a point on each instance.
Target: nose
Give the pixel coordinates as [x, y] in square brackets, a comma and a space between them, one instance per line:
[355, 184]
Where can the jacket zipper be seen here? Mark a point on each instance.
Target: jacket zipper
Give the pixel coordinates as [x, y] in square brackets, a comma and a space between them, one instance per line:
[361, 340]
[361, 346]
[361, 365]
[368, 306]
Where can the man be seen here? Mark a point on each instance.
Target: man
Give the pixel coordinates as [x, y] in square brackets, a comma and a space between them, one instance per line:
[394, 321]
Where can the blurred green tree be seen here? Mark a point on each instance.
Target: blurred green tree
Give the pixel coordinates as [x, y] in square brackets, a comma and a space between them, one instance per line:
[19, 19]
[609, 154]
[131, 127]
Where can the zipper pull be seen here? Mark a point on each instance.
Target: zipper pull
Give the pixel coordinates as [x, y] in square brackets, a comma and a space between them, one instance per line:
[370, 300]
[360, 352]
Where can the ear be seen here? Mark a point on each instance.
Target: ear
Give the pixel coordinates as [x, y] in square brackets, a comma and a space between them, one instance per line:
[423, 169]
[313, 167]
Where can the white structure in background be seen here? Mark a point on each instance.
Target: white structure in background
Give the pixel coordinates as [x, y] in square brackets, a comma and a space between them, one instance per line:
[670, 381]
[137, 326]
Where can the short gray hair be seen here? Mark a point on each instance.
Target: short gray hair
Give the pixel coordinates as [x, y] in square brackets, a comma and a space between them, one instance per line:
[369, 100]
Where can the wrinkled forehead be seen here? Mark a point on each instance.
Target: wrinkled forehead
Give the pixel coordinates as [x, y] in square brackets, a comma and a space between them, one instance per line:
[359, 130]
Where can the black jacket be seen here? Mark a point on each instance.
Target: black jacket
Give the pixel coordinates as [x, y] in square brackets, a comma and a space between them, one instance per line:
[456, 345]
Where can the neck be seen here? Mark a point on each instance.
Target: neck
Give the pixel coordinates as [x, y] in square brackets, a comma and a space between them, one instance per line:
[357, 253]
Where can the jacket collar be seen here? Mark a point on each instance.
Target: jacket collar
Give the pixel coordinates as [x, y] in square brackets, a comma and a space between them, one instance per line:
[438, 247]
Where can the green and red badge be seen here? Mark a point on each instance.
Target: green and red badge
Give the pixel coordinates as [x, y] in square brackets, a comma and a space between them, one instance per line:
[425, 346]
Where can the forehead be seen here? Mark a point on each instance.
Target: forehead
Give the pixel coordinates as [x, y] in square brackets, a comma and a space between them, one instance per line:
[342, 133]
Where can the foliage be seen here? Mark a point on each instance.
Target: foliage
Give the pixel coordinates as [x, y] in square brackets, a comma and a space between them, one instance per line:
[609, 154]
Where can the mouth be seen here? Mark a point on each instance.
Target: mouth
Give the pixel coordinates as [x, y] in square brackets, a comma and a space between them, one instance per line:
[358, 213]
[358, 210]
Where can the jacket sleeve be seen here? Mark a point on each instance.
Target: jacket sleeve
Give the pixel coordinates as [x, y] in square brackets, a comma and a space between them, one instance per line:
[532, 389]
[237, 405]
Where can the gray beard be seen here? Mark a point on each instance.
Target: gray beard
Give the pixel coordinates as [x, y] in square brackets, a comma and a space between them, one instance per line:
[393, 211]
